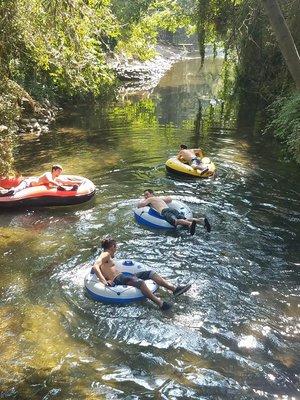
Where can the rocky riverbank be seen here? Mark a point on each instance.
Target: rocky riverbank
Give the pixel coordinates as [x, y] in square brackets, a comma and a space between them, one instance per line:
[36, 120]
[136, 75]
[22, 114]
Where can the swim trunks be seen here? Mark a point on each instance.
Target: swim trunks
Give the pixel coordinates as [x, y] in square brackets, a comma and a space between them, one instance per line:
[171, 215]
[195, 162]
[133, 280]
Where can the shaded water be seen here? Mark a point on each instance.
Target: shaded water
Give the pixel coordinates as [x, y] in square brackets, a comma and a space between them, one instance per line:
[234, 335]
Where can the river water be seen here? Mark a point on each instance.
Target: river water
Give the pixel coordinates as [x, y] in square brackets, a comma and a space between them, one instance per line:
[234, 335]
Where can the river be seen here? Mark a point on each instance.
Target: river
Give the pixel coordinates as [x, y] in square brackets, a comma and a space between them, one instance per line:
[234, 335]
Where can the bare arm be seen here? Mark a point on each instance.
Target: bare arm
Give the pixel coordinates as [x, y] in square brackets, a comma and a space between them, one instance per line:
[68, 182]
[52, 182]
[97, 270]
[167, 199]
[144, 203]
[180, 156]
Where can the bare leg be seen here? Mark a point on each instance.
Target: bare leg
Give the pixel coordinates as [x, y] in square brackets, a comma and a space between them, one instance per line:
[162, 282]
[201, 167]
[183, 222]
[196, 219]
[147, 292]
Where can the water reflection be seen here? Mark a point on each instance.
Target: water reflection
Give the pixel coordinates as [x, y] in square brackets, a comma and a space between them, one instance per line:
[234, 335]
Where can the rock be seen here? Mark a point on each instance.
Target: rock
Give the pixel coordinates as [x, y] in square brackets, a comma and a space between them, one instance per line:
[145, 75]
[44, 129]
[44, 111]
[3, 128]
[29, 128]
[47, 103]
[44, 121]
[27, 105]
[36, 126]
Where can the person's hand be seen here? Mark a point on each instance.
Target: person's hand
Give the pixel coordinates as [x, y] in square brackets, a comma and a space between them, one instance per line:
[110, 283]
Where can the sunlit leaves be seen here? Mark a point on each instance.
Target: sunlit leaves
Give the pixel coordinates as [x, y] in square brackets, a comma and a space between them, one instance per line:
[286, 122]
[63, 44]
[149, 18]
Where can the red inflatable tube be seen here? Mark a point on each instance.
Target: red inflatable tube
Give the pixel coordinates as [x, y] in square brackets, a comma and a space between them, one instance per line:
[44, 196]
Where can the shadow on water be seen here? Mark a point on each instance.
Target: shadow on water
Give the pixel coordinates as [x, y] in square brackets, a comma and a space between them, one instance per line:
[234, 335]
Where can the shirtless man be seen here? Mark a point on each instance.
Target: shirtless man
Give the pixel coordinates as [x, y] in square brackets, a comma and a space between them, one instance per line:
[174, 217]
[192, 156]
[108, 274]
[48, 178]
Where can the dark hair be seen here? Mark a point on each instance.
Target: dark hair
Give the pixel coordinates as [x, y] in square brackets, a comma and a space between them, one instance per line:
[149, 190]
[183, 146]
[107, 242]
[56, 167]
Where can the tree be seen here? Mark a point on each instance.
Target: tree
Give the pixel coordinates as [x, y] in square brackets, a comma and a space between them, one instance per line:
[284, 38]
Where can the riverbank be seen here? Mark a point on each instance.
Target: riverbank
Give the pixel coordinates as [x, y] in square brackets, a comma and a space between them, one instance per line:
[135, 75]
[23, 115]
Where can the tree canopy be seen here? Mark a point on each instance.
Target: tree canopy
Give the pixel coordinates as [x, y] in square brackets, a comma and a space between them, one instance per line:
[60, 48]
[62, 45]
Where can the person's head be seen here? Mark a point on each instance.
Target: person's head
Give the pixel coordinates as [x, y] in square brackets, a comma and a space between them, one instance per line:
[148, 193]
[183, 147]
[56, 169]
[108, 244]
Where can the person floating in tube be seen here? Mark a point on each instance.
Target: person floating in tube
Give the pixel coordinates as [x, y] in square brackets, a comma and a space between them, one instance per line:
[192, 157]
[171, 215]
[108, 273]
[48, 178]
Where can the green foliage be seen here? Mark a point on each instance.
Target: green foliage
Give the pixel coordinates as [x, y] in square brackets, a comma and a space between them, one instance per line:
[8, 113]
[7, 143]
[243, 30]
[150, 17]
[285, 123]
[60, 47]
[215, 21]
[62, 44]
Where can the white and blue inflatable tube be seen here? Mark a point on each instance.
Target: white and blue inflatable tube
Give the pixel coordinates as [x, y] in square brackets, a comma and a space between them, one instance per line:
[119, 294]
[151, 218]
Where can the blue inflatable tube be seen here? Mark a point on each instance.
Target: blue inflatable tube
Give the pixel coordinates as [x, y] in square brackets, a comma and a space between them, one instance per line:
[152, 219]
[117, 294]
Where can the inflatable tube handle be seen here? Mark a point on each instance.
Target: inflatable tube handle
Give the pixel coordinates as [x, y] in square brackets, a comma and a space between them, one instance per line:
[128, 263]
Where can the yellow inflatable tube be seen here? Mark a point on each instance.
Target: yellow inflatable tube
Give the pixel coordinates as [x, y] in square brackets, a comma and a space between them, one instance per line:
[176, 166]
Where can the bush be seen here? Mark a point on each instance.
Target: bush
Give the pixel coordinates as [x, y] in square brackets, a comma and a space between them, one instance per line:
[285, 112]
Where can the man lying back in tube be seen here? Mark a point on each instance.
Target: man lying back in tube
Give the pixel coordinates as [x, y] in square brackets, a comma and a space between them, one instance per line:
[171, 215]
[192, 157]
[48, 178]
[108, 273]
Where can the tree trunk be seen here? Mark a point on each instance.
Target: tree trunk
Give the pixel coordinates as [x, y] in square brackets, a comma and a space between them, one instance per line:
[284, 38]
